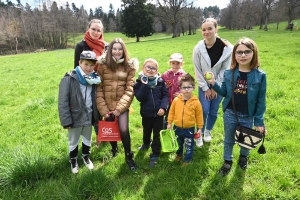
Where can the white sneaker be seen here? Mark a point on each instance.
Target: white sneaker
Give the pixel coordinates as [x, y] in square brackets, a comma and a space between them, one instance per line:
[207, 136]
[88, 162]
[199, 142]
[74, 165]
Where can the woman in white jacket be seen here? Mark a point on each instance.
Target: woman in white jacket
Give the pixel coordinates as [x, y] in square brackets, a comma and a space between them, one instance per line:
[212, 54]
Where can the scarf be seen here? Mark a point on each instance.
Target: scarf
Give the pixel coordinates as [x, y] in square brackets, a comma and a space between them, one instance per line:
[152, 80]
[84, 79]
[96, 45]
[118, 61]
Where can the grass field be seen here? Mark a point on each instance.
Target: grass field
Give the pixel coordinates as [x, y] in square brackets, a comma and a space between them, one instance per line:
[34, 147]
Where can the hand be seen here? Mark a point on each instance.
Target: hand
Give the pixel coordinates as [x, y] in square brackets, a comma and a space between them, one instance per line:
[169, 126]
[116, 113]
[176, 94]
[213, 94]
[261, 129]
[161, 112]
[212, 80]
[144, 80]
[168, 83]
[207, 95]
[199, 131]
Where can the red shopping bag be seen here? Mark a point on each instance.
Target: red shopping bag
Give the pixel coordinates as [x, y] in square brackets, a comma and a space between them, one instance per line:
[109, 130]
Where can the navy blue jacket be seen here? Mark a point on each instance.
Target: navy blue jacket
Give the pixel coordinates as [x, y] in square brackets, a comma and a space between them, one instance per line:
[152, 99]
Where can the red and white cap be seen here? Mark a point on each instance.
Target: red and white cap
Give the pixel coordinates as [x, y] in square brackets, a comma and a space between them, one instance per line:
[176, 57]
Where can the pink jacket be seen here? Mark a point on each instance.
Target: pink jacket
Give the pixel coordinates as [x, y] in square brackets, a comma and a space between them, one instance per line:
[174, 89]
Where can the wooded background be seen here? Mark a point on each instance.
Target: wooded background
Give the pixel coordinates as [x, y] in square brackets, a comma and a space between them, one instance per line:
[48, 25]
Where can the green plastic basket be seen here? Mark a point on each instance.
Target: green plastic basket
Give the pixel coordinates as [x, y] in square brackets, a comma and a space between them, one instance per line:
[168, 141]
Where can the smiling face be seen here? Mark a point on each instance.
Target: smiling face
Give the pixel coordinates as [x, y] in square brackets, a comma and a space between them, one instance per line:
[95, 30]
[243, 56]
[175, 65]
[87, 66]
[150, 69]
[117, 51]
[209, 30]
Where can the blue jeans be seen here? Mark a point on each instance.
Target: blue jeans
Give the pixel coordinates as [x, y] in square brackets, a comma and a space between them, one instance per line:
[210, 110]
[185, 136]
[230, 124]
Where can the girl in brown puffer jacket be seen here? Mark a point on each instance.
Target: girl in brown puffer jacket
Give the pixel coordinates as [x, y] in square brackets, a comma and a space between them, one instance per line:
[115, 92]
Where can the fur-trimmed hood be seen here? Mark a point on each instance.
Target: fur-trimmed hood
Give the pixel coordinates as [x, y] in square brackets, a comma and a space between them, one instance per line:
[133, 62]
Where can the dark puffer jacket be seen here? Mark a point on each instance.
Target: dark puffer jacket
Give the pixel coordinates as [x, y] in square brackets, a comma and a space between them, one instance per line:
[152, 99]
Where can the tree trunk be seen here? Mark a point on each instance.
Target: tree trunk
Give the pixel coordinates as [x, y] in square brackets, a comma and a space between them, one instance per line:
[137, 39]
[17, 45]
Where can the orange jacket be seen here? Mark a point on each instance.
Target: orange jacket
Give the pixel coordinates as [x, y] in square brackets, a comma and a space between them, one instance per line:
[186, 114]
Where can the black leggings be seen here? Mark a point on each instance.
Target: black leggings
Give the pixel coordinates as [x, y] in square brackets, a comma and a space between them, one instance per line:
[123, 121]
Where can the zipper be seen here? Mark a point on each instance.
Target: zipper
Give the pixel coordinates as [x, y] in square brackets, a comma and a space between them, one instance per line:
[153, 102]
[183, 112]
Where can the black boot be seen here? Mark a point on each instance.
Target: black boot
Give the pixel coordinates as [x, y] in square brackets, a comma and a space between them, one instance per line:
[114, 151]
[130, 162]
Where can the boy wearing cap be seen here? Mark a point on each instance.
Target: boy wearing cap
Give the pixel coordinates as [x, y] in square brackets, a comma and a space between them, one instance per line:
[77, 113]
[172, 78]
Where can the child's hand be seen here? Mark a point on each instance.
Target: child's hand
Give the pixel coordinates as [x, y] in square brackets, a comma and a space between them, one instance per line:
[169, 126]
[144, 80]
[212, 79]
[161, 112]
[176, 94]
[199, 131]
[168, 83]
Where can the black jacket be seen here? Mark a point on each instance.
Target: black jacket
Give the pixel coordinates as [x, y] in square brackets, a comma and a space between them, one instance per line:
[152, 99]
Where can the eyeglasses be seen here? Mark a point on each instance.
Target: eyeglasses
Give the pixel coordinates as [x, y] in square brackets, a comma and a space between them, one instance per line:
[187, 87]
[151, 68]
[93, 29]
[240, 53]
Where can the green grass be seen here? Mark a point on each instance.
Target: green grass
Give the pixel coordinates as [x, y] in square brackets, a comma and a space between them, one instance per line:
[34, 147]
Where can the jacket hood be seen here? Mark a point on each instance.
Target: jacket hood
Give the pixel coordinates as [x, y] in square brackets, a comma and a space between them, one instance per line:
[193, 98]
[133, 62]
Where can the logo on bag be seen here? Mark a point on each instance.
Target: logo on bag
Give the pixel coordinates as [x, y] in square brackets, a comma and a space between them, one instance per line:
[108, 131]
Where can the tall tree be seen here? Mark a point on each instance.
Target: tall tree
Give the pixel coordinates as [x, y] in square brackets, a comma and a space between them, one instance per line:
[137, 19]
[172, 11]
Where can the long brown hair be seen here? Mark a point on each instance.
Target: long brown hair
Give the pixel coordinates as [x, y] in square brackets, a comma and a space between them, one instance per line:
[109, 60]
[251, 45]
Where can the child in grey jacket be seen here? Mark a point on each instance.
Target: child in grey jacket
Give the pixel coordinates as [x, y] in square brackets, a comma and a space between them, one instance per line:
[76, 106]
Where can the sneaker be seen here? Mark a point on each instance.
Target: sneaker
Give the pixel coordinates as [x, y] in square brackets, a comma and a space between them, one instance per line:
[243, 162]
[144, 147]
[207, 136]
[88, 162]
[130, 162]
[153, 160]
[178, 158]
[74, 165]
[199, 142]
[225, 169]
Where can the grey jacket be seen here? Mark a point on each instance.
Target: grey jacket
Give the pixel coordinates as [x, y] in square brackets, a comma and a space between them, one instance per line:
[202, 64]
[71, 103]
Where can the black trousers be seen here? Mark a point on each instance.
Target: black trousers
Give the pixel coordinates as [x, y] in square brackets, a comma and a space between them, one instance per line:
[154, 124]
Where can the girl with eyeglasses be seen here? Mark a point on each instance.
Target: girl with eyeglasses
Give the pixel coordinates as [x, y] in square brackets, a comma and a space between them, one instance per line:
[212, 54]
[249, 92]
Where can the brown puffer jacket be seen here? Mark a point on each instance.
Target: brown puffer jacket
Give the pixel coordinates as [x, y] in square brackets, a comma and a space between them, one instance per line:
[115, 92]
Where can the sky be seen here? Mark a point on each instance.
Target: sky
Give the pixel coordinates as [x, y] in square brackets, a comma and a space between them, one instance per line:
[117, 3]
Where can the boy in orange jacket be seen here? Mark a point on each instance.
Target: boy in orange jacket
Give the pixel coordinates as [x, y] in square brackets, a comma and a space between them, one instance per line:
[185, 112]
